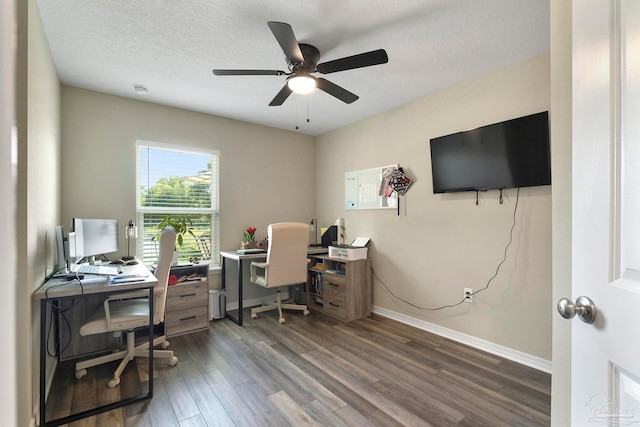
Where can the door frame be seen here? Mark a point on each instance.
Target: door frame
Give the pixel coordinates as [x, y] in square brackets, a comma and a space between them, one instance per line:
[561, 27]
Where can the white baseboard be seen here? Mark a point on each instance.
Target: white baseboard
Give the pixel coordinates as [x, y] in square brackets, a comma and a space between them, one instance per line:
[498, 350]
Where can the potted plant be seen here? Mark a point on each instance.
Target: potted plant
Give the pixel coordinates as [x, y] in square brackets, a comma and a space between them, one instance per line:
[181, 224]
[249, 239]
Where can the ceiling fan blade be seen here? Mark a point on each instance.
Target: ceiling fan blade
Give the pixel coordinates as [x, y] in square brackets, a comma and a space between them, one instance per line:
[287, 40]
[366, 59]
[337, 91]
[281, 96]
[248, 72]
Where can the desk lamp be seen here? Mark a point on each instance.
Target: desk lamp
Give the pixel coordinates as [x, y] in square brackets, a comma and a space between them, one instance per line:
[131, 232]
[314, 229]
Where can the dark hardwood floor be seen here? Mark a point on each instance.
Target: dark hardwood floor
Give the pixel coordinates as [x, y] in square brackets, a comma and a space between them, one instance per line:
[315, 370]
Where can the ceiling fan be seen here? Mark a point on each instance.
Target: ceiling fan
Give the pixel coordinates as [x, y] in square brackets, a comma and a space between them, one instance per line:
[302, 60]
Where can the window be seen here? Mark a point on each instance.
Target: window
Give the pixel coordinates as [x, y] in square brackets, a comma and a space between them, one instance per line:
[178, 182]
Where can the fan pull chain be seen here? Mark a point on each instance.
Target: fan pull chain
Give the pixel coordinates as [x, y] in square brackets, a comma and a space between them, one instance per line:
[297, 117]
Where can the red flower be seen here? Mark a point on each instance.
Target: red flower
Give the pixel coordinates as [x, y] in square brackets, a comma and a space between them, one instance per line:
[249, 234]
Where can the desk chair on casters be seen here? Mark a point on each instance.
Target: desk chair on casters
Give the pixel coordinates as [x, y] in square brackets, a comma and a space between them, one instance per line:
[286, 264]
[128, 311]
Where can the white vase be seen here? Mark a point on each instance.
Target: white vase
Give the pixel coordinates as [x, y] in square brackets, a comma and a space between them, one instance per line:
[174, 258]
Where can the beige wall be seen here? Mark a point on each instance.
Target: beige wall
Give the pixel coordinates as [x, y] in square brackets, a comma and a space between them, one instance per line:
[266, 175]
[441, 244]
[38, 204]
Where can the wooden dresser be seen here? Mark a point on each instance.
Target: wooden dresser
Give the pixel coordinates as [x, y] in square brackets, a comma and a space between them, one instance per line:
[187, 307]
[339, 287]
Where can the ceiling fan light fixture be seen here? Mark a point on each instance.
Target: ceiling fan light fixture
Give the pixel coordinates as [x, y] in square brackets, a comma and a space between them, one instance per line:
[302, 84]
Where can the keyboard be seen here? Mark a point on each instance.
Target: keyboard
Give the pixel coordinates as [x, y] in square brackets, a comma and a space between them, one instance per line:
[104, 270]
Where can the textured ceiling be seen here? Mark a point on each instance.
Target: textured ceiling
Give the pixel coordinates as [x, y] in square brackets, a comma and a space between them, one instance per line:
[171, 47]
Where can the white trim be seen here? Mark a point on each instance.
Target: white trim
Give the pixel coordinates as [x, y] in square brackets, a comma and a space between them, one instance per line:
[495, 349]
[177, 147]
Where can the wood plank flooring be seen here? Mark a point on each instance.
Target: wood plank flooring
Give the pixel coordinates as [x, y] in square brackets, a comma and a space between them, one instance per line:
[315, 370]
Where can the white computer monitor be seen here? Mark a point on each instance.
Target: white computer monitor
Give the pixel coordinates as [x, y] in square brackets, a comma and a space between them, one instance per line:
[93, 237]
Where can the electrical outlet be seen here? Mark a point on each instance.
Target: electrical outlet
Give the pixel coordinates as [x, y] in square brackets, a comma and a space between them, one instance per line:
[468, 295]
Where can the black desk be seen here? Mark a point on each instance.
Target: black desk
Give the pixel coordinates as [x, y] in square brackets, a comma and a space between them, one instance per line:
[240, 258]
[57, 289]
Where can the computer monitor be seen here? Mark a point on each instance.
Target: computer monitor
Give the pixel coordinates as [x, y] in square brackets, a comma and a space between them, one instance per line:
[61, 253]
[93, 237]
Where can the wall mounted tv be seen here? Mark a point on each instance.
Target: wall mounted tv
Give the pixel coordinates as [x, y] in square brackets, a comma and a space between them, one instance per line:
[509, 154]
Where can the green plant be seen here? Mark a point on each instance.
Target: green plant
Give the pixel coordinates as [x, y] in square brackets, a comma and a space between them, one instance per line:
[181, 224]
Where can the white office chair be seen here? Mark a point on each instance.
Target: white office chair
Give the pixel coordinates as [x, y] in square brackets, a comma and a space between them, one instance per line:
[128, 311]
[286, 264]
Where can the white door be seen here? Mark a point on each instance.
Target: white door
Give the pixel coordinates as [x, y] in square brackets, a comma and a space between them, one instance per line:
[606, 211]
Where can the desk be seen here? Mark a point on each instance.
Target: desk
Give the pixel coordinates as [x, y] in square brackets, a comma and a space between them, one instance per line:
[58, 289]
[240, 258]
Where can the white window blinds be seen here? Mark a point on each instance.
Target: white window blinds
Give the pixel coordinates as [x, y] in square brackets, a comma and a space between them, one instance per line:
[179, 182]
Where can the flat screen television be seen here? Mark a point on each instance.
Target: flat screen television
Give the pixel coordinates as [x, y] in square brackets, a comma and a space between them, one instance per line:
[509, 154]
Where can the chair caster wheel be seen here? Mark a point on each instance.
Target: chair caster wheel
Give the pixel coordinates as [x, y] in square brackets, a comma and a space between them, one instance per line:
[80, 373]
[306, 312]
[281, 320]
[254, 316]
[173, 361]
[113, 382]
[165, 344]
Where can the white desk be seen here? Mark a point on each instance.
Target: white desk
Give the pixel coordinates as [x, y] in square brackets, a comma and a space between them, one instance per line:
[240, 258]
[58, 289]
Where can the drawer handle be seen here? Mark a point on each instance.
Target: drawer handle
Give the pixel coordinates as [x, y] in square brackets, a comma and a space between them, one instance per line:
[187, 318]
[333, 284]
[188, 295]
[335, 305]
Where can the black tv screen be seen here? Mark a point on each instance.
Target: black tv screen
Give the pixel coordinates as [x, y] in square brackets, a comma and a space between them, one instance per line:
[509, 154]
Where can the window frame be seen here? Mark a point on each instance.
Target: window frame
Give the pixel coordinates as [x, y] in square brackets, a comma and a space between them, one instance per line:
[214, 210]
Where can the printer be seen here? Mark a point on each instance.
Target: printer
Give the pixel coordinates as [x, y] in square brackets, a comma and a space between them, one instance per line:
[356, 250]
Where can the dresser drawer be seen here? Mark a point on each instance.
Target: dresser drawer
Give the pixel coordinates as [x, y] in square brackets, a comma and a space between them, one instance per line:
[335, 306]
[335, 284]
[335, 291]
[182, 321]
[187, 295]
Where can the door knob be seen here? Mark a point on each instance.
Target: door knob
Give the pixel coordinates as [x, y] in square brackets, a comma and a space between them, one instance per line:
[584, 308]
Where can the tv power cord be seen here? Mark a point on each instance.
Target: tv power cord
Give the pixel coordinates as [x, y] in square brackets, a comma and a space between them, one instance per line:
[468, 294]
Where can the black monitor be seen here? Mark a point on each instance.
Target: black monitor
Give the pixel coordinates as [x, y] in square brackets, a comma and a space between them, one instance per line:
[94, 237]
